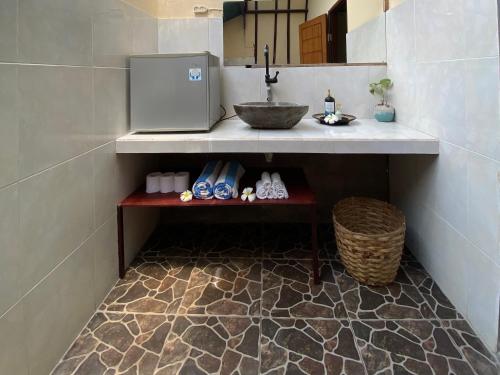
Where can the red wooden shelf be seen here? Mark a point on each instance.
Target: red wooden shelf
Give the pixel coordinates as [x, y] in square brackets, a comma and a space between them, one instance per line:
[298, 190]
[299, 193]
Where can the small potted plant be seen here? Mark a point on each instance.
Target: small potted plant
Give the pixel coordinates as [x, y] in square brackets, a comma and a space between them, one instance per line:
[384, 112]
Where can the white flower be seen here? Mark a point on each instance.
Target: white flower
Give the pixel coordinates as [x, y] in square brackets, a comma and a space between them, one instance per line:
[331, 119]
[186, 196]
[248, 194]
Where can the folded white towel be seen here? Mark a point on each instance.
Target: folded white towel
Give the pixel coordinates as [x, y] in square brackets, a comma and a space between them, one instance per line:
[278, 187]
[153, 182]
[181, 182]
[167, 182]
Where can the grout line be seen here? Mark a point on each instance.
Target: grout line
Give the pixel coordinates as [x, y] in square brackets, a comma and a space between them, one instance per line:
[111, 217]
[460, 234]
[469, 150]
[63, 65]
[464, 59]
[56, 165]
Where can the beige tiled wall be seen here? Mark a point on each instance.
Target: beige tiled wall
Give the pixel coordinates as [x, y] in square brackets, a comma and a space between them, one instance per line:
[63, 101]
[443, 57]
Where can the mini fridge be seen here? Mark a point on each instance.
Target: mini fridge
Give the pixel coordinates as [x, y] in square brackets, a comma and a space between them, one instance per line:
[174, 92]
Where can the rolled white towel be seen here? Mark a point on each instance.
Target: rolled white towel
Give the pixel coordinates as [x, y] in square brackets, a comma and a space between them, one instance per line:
[272, 193]
[167, 182]
[153, 182]
[278, 187]
[260, 190]
[265, 177]
[181, 182]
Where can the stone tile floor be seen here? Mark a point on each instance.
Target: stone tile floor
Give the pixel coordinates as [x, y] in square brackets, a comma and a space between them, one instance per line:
[239, 299]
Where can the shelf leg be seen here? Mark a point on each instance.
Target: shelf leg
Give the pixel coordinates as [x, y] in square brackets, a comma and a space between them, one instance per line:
[314, 243]
[121, 248]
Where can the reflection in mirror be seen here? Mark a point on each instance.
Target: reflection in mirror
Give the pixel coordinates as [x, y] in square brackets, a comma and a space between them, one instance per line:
[305, 31]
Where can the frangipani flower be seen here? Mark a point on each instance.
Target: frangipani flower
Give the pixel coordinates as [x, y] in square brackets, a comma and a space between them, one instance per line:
[186, 196]
[248, 194]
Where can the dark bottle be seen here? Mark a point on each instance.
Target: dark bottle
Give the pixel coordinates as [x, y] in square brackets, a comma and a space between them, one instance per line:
[329, 104]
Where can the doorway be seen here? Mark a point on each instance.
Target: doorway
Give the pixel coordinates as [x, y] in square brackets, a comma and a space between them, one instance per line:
[337, 31]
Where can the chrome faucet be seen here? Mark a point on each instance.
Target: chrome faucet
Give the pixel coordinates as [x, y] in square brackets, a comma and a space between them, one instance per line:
[269, 80]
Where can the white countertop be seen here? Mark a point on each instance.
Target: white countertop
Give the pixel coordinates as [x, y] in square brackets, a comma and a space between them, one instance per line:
[363, 136]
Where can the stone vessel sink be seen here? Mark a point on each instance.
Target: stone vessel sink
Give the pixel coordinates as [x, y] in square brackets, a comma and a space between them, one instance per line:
[271, 115]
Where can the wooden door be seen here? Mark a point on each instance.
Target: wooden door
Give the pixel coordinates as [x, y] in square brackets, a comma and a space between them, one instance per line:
[313, 41]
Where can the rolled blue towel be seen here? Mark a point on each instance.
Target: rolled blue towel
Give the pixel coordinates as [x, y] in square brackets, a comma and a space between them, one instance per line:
[226, 186]
[203, 187]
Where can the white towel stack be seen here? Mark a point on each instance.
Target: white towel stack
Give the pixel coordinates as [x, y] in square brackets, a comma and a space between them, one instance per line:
[181, 182]
[169, 182]
[153, 182]
[271, 187]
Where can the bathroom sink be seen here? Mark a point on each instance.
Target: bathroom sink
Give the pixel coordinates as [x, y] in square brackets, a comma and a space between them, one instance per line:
[271, 115]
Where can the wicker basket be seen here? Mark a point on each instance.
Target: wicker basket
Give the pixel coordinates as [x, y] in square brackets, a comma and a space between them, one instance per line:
[370, 237]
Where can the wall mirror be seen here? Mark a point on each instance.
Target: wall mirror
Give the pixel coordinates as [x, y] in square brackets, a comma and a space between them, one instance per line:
[304, 31]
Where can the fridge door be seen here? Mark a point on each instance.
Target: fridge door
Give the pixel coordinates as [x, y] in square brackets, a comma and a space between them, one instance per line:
[169, 93]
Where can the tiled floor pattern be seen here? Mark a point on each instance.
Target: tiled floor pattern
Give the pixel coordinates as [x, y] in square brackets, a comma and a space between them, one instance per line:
[239, 299]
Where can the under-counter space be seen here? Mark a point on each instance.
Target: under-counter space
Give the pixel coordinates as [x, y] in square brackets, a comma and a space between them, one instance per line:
[364, 136]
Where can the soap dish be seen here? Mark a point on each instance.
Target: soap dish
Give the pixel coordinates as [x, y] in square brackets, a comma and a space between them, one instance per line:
[345, 120]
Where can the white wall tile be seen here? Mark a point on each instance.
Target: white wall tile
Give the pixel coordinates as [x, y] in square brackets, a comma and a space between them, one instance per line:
[453, 214]
[440, 100]
[367, 43]
[295, 85]
[76, 285]
[8, 30]
[401, 34]
[440, 29]
[55, 32]
[240, 85]
[145, 33]
[482, 82]
[444, 245]
[105, 183]
[349, 85]
[481, 28]
[215, 38]
[43, 319]
[12, 260]
[55, 115]
[112, 34]
[483, 219]
[67, 191]
[57, 309]
[9, 134]
[111, 112]
[401, 57]
[105, 259]
[483, 293]
[13, 356]
[183, 35]
[449, 191]
[56, 216]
